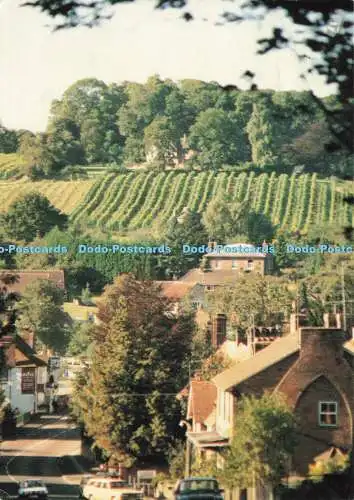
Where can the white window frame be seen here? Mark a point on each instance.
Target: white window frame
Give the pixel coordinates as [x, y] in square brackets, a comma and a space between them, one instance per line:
[321, 424]
[250, 265]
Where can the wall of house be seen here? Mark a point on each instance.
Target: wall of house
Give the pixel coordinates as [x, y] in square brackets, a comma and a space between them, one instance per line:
[224, 413]
[314, 438]
[24, 402]
[241, 263]
[268, 379]
[42, 379]
[322, 373]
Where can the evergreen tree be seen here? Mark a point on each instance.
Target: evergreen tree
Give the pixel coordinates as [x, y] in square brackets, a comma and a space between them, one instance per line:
[184, 230]
[128, 403]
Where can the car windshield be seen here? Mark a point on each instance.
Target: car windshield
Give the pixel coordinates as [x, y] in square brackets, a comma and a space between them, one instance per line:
[32, 484]
[205, 484]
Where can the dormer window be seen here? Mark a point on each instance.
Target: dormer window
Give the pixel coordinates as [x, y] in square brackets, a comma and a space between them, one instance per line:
[328, 413]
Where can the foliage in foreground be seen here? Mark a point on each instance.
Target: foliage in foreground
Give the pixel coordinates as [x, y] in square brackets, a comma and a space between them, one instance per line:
[127, 401]
[264, 440]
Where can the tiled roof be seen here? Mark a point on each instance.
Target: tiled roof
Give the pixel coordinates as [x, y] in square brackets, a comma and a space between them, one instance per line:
[24, 354]
[27, 277]
[19, 353]
[275, 352]
[175, 290]
[217, 277]
[202, 399]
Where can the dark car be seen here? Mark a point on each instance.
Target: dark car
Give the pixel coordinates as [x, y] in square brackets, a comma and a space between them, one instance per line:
[33, 489]
[198, 488]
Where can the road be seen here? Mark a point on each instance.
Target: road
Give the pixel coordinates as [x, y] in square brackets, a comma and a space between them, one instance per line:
[35, 454]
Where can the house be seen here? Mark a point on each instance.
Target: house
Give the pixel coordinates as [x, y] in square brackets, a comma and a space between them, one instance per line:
[223, 266]
[24, 377]
[179, 292]
[24, 278]
[314, 370]
[226, 263]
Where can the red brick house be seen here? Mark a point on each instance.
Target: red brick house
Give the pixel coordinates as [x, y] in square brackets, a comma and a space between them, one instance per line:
[314, 370]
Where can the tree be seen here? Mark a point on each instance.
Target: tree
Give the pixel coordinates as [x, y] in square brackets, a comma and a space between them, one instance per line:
[264, 440]
[226, 220]
[218, 139]
[63, 144]
[81, 339]
[40, 312]
[91, 106]
[8, 140]
[335, 46]
[30, 215]
[260, 135]
[184, 230]
[219, 220]
[265, 300]
[86, 295]
[159, 142]
[128, 403]
[39, 161]
[8, 302]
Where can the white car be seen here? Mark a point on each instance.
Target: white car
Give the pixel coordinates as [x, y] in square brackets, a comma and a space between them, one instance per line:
[110, 488]
[33, 488]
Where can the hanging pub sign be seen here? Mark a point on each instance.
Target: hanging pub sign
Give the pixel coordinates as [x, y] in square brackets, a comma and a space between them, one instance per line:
[28, 380]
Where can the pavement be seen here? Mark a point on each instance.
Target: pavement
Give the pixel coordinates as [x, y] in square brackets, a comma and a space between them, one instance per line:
[48, 449]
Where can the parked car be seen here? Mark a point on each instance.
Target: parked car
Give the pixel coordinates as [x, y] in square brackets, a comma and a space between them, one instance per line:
[33, 489]
[110, 488]
[198, 488]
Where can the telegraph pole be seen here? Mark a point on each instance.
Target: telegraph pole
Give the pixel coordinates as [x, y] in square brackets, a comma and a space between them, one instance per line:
[344, 304]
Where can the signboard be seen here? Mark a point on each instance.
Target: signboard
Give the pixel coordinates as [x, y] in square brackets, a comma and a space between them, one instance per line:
[146, 475]
[28, 376]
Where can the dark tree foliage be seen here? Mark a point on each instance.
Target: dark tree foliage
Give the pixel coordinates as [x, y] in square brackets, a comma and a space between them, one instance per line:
[317, 19]
[30, 215]
[8, 300]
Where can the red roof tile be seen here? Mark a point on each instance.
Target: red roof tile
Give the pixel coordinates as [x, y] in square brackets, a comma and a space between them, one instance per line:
[27, 277]
[175, 290]
[202, 399]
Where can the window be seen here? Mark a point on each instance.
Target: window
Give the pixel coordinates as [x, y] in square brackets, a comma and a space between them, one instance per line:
[250, 265]
[234, 264]
[195, 305]
[328, 413]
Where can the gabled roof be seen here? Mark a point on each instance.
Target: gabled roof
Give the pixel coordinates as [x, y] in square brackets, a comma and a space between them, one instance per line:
[202, 399]
[329, 454]
[275, 352]
[175, 290]
[27, 277]
[24, 355]
[215, 277]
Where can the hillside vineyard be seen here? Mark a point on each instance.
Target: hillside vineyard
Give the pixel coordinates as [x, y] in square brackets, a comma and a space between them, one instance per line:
[134, 200]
